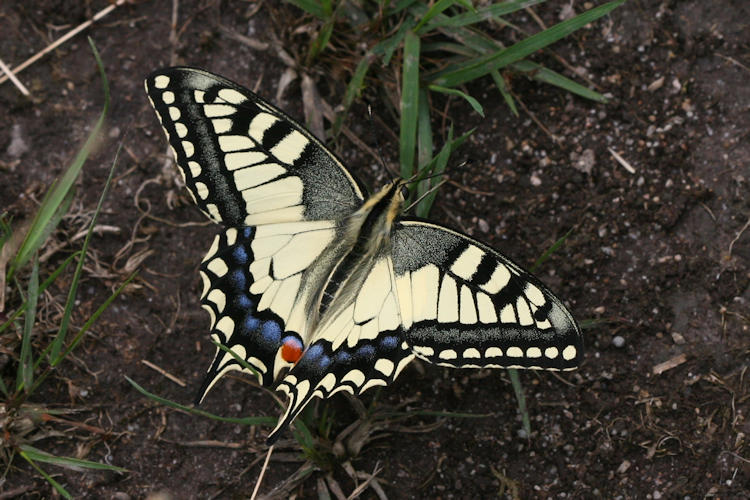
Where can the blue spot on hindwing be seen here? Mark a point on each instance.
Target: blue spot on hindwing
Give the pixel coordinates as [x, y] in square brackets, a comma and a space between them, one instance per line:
[366, 351]
[238, 280]
[251, 323]
[247, 232]
[389, 342]
[271, 331]
[243, 302]
[239, 254]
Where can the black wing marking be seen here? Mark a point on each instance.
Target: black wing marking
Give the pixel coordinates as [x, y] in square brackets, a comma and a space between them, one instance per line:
[463, 304]
[244, 161]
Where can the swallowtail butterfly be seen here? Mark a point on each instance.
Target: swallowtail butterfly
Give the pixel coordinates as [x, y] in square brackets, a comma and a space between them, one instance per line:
[321, 288]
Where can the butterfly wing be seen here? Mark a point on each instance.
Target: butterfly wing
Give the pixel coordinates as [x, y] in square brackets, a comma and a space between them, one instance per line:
[358, 348]
[246, 163]
[463, 304]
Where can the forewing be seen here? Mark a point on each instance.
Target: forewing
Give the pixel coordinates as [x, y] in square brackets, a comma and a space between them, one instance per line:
[258, 284]
[463, 304]
[359, 347]
[244, 161]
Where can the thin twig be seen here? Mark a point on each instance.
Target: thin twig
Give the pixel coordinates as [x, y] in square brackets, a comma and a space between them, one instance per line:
[627, 166]
[171, 377]
[262, 473]
[738, 236]
[13, 79]
[67, 36]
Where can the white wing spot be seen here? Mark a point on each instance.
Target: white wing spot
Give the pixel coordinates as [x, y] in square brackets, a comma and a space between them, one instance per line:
[200, 96]
[261, 122]
[533, 352]
[551, 352]
[355, 376]
[218, 298]
[493, 352]
[498, 280]
[161, 81]
[424, 296]
[534, 294]
[514, 352]
[231, 236]
[217, 110]
[180, 129]
[244, 159]
[448, 354]
[231, 95]
[468, 310]
[226, 326]
[174, 113]
[569, 353]
[188, 147]
[290, 147]
[202, 190]
[250, 177]
[285, 192]
[471, 352]
[167, 97]
[467, 263]
[384, 366]
[218, 267]
[229, 143]
[222, 125]
[448, 302]
[524, 313]
[507, 315]
[195, 168]
[423, 350]
[486, 308]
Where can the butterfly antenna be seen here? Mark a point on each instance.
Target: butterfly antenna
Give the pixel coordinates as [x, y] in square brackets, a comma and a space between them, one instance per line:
[377, 144]
[426, 193]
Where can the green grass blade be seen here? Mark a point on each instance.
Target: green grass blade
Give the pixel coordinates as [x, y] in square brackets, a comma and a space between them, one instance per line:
[389, 45]
[424, 130]
[481, 66]
[59, 339]
[353, 89]
[541, 74]
[321, 41]
[243, 363]
[503, 88]
[438, 166]
[51, 279]
[61, 189]
[266, 421]
[515, 381]
[71, 463]
[479, 15]
[552, 249]
[409, 103]
[58, 487]
[473, 102]
[437, 8]
[25, 373]
[313, 7]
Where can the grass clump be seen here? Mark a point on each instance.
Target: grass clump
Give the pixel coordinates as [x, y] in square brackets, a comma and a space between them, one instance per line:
[33, 356]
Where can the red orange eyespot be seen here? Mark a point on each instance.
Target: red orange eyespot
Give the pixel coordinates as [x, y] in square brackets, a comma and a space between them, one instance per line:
[291, 350]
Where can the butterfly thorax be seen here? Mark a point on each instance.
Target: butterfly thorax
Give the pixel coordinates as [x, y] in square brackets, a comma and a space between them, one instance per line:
[367, 233]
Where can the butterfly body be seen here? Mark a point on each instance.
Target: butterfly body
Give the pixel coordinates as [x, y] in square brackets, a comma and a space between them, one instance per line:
[321, 289]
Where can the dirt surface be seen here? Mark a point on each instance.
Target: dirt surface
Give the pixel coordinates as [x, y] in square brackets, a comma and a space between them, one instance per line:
[657, 255]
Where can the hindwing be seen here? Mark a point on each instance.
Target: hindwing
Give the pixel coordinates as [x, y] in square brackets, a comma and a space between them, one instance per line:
[464, 304]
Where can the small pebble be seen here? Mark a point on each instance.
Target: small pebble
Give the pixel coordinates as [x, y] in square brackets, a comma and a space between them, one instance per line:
[618, 341]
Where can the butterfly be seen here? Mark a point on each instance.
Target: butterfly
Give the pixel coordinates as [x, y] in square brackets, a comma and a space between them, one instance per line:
[320, 288]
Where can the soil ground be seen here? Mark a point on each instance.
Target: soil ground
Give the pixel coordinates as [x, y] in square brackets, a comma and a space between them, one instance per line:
[659, 255]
